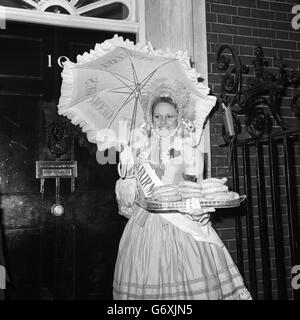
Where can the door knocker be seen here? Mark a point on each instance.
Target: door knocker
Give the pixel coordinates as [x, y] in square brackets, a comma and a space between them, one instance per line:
[58, 146]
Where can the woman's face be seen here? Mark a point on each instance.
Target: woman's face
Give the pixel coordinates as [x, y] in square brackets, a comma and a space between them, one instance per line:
[164, 118]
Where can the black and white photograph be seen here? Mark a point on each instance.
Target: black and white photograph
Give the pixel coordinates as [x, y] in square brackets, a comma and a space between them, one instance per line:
[150, 151]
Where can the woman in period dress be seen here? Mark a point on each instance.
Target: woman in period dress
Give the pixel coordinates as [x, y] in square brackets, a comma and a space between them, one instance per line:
[169, 255]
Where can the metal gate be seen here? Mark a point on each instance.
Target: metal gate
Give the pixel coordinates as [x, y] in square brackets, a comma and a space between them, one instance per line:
[265, 167]
[267, 232]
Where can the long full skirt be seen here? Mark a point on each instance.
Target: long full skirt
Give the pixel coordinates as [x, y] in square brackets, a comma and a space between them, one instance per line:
[158, 261]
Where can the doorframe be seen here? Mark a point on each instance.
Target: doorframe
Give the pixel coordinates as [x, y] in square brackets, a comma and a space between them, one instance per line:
[201, 63]
[189, 35]
[135, 25]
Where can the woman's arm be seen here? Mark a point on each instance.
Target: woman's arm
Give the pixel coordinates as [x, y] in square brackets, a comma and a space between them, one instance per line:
[125, 193]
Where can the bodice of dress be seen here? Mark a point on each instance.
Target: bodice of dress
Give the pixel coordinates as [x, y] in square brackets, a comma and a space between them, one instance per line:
[167, 158]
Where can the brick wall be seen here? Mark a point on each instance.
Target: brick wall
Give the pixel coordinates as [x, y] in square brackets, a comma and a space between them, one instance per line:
[243, 24]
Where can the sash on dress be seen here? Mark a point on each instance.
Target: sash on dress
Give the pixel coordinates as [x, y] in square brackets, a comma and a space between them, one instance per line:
[148, 180]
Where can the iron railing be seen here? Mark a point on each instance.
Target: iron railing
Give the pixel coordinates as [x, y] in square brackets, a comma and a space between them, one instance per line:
[263, 169]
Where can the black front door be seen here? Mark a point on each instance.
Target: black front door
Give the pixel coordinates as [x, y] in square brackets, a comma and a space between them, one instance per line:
[49, 257]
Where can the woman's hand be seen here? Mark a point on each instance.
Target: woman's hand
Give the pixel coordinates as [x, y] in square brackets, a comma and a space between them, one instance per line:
[125, 191]
[195, 212]
[201, 215]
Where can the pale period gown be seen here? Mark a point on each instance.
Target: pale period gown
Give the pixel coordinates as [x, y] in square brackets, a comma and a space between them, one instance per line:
[167, 256]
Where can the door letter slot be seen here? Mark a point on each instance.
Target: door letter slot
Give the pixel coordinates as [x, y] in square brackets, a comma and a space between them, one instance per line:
[56, 170]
